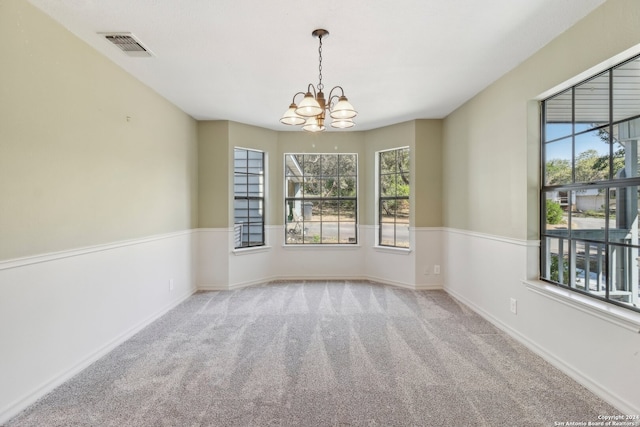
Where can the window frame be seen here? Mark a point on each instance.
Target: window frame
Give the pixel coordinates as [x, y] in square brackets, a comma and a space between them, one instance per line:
[584, 247]
[297, 225]
[381, 199]
[248, 197]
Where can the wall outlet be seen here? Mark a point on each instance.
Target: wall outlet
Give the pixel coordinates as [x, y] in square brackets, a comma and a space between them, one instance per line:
[514, 306]
[426, 271]
[170, 285]
[436, 269]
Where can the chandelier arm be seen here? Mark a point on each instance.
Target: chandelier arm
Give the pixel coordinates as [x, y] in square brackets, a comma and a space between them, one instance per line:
[336, 87]
[312, 87]
[293, 101]
[331, 96]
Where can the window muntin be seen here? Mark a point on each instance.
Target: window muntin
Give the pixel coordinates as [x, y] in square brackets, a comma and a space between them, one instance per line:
[393, 197]
[321, 204]
[590, 240]
[248, 191]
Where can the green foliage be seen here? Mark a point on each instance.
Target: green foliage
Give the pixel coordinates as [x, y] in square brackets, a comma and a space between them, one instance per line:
[554, 212]
[555, 274]
[558, 171]
[589, 167]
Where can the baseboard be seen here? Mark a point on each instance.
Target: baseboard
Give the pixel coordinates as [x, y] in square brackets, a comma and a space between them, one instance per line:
[30, 398]
[264, 280]
[621, 404]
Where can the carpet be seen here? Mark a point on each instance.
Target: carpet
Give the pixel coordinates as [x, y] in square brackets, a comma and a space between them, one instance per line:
[318, 353]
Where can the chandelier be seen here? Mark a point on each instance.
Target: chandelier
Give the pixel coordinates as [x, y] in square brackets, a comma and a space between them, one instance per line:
[313, 108]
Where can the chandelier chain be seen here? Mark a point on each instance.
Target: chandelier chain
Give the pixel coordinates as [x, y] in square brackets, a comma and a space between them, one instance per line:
[320, 85]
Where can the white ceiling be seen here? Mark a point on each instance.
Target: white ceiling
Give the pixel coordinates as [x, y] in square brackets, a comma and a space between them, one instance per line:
[243, 60]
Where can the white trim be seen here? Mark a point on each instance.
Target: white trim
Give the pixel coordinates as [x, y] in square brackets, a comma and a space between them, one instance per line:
[611, 313]
[251, 250]
[509, 240]
[52, 256]
[620, 403]
[28, 399]
[392, 250]
[326, 246]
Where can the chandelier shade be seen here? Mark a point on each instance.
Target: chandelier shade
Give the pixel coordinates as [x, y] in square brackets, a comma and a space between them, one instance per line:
[343, 109]
[342, 123]
[290, 117]
[313, 108]
[309, 107]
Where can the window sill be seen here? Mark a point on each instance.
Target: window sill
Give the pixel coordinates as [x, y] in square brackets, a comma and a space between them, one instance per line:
[392, 250]
[251, 250]
[349, 246]
[613, 314]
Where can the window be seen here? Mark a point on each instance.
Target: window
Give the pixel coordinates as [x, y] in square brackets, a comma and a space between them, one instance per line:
[321, 198]
[591, 184]
[248, 191]
[393, 197]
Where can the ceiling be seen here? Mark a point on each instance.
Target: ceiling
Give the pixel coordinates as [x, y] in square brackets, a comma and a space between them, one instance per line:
[243, 60]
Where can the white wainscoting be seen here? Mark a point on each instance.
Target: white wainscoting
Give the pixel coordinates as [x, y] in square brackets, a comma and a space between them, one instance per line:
[60, 312]
[486, 271]
[221, 267]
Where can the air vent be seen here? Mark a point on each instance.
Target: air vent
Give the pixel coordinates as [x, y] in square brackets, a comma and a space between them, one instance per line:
[128, 44]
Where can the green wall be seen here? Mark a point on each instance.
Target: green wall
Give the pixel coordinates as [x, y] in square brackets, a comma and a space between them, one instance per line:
[88, 154]
[491, 143]
[215, 162]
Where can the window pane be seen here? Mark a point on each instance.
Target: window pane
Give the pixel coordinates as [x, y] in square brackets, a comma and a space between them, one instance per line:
[312, 165]
[387, 234]
[388, 211]
[556, 203]
[240, 185]
[388, 162]
[590, 235]
[592, 157]
[312, 187]
[348, 165]
[588, 219]
[557, 260]
[347, 186]
[255, 166]
[592, 103]
[348, 232]
[626, 90]
[315, 187]
[347, 211]
[558, 157]
[559, 120]
[330, 232]
[590, 267]
[402, 211]
[329, 165]
[623, 264]
[388, 185]
[249, 196]
[623, 211]
[625, 155]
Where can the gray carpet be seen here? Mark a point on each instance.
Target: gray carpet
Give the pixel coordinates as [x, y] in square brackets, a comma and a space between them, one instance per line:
[318, 354]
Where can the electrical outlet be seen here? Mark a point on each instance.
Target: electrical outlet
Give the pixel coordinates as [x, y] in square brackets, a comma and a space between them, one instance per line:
[170, 285]
[514, 306]
[426, 271]
[436, 269]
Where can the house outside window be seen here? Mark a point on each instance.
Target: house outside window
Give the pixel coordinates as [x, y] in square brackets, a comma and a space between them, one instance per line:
[393, 197]
[321, 203]
[248, 191]
[591, 180]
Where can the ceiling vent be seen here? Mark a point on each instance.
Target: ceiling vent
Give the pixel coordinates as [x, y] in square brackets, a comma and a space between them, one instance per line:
[128, 44]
